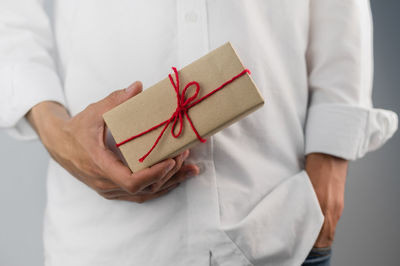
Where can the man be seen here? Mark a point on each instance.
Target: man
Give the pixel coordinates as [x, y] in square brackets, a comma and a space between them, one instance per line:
[267, 190]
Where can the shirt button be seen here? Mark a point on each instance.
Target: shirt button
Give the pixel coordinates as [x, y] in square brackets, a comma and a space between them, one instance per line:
[191, 16]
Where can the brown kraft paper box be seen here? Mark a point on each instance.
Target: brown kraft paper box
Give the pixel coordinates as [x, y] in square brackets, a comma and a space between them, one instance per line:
[158, 102]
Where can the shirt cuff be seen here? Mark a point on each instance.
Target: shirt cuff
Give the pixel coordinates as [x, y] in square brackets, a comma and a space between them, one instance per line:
[24, 86]
[347, 131]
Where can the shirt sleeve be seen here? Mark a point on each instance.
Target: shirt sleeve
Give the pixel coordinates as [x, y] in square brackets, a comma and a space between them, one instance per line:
[341, 120]
[28, 74]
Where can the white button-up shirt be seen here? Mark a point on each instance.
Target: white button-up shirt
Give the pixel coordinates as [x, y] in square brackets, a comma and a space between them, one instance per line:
[252, 204]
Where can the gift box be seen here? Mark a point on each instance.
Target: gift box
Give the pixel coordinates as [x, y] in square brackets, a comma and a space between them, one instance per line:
[184, 109]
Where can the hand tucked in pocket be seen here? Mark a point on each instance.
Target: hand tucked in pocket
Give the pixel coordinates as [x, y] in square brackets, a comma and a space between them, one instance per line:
[328, 176]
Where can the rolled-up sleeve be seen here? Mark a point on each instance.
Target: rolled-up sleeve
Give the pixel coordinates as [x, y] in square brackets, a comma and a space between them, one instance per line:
[28, 73]
[341, 119]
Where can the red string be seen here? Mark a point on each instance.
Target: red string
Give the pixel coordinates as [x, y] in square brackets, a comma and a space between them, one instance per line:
[181, 110]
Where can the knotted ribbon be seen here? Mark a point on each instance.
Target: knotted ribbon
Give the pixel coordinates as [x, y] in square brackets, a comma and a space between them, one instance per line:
[181, 110]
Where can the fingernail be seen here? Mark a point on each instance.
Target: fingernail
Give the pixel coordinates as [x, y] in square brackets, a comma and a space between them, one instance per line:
[201, 167]
[191, 173]
[185, 155]
[130, 88]
[170, 165]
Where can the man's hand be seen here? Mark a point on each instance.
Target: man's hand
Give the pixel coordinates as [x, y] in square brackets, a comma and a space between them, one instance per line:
[78, 144]
[328, 176]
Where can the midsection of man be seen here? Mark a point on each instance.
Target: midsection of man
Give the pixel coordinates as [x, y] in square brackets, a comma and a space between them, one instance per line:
[104, 46]
[253, 202]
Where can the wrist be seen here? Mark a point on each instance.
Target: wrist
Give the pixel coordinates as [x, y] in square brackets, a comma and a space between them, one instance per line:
[48, 118]
[325, 162]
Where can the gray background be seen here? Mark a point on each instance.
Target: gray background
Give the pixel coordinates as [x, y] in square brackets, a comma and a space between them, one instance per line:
[367, 234]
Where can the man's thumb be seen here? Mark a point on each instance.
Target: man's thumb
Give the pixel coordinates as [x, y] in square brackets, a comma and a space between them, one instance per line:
[134, 89]
[120, 96]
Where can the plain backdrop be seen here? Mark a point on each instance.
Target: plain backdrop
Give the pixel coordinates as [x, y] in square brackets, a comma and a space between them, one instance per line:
[367, 235]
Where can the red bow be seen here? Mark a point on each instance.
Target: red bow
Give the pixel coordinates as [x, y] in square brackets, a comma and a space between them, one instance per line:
[181, 109]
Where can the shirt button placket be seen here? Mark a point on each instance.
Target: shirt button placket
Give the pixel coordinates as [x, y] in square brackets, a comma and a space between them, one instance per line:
[192, 30]
[201, 194]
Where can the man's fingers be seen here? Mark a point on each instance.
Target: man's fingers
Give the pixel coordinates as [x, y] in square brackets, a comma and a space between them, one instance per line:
[114, 194]
[115, 170]
[179, 161]
[121, 175]
[105, 185]
[185, 172]
[119, 96]
[144, 198]
[153, 174]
